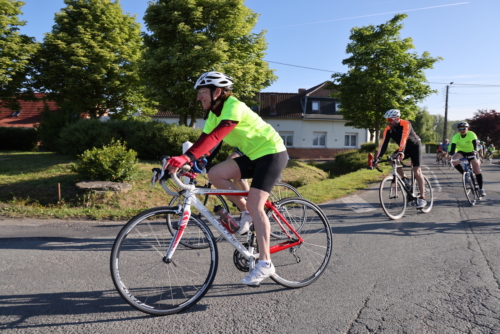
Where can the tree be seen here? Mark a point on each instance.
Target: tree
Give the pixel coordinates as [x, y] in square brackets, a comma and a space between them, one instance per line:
[16, 50]
[486, 125]
[91, 59]
[189, 37]
[424, 125]
[382, 75]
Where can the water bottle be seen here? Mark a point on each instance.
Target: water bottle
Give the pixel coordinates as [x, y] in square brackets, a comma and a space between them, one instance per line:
[231, 224]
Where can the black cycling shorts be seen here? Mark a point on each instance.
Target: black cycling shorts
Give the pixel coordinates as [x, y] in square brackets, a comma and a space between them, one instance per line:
[264, 171]
[468, 155]
[413, 152]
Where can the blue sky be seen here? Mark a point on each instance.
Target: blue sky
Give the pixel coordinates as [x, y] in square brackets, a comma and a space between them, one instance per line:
[310, 37]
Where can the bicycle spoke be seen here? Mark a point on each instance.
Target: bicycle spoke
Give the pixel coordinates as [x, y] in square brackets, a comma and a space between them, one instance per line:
[301, 265]
[143, 278]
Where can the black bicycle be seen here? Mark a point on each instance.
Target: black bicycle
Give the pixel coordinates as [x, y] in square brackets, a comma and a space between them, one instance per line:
[396, 194]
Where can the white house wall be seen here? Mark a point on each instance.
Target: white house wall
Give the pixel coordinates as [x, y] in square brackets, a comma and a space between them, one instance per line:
[303, 131]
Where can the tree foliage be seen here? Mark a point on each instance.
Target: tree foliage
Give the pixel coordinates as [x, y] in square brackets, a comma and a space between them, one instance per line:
[91, 59]
[16, 51]
[424, 125]
[486, 125]
[383, 74]
[189, 37]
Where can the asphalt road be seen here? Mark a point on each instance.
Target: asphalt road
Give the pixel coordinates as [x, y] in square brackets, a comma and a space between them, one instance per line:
[426, 273]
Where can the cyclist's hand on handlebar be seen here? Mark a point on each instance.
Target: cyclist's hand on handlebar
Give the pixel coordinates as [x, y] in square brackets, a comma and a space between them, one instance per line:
[398, 155]
[175, 163]
[375, 162]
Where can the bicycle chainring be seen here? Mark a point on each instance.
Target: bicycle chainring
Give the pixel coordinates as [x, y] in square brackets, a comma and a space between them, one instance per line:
[240, 261]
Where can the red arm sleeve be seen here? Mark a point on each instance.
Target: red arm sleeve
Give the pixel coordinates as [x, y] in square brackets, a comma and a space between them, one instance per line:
[206, 142]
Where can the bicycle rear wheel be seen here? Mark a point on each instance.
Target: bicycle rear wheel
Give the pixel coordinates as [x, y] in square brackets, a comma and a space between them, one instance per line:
[283, 190]
[148, 283]
[392, 197]
[301, 265]
[428, 194]
[469, 187]
[209, 201]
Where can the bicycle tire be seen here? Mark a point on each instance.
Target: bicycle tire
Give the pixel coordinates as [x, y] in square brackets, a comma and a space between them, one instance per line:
[283, 190]
[148, 283]
[301, 265]
[209, 201]
[429, 196]
[392, 200]
[469, 188]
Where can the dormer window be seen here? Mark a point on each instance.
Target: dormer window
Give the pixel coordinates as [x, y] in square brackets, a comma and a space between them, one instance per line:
[315, 105]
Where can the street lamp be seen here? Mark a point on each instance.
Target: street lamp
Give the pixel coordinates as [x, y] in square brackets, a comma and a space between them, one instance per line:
[445, 126]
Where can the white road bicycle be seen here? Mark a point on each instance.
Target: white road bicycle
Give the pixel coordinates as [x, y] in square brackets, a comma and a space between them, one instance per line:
[160, 273]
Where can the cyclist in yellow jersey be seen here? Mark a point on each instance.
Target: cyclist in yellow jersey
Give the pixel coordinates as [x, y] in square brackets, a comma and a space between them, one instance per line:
[465, 143]
[265, 158]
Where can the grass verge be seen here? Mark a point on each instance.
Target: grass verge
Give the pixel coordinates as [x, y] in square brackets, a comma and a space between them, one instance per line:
[29, 188]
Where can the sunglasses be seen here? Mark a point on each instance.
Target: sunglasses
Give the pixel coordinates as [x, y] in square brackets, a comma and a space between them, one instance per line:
[390, 119]
[461, 129]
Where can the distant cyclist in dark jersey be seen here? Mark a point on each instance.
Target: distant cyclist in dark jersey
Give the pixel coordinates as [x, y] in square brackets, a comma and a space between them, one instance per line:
[465, 143]
[264, 160]
[410, 146]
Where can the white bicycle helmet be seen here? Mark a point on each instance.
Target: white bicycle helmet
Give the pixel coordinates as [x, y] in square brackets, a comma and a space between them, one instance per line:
[393, 113]
[216, 79]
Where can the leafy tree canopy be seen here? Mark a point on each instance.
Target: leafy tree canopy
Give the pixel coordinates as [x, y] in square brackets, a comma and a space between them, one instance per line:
[423, 124]
[91, 59]
[189, 37]
[486, 125]
[383, 74]
[16, 50]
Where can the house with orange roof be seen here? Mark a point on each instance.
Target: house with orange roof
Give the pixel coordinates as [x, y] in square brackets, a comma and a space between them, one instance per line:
[308, 121]
[28, 115]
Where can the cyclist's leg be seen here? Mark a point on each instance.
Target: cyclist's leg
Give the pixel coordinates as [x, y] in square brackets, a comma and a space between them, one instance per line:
[477, 170]
[456, 163]
[221, 175]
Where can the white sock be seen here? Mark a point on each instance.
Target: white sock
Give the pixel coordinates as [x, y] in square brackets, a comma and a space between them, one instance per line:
[246, 211]
[266, 264]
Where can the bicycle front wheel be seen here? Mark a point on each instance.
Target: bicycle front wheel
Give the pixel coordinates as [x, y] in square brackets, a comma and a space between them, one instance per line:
[301, 265]
[469, 187]
[210, 202]
[428, 195]
[145, 280]
[392, 197]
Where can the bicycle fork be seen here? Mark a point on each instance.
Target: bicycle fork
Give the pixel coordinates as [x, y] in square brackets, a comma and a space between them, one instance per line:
[183, 221]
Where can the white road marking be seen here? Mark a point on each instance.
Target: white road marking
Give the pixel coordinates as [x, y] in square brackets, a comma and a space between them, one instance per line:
[357, 204]
[434, 180]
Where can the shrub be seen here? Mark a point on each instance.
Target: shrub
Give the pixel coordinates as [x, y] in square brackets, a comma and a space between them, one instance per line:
[368, 147]
[113, 162]
[83, 135]
[18, 139]
[49, 129]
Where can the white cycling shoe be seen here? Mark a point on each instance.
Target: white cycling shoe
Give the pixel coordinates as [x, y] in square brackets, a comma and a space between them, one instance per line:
[245, 222]
[421, 203]
[258, 274]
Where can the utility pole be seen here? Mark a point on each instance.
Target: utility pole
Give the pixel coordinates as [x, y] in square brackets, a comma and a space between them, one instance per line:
[445, 126]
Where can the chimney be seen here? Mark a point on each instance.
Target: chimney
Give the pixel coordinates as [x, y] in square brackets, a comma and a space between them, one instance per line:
[302, 90]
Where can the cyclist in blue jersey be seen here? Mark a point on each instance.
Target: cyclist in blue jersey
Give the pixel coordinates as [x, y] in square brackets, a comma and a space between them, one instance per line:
[443, 149]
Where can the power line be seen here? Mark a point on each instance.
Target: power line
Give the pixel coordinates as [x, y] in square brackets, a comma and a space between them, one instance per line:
[437, 83]
[309, 68]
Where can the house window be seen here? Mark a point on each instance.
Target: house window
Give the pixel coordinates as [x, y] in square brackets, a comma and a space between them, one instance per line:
[351, 140]
[337, 106]
[319, 139]
[287, 138]
[315, 106]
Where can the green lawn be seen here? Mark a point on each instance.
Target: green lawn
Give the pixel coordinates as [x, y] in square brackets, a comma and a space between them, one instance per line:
[29, 188]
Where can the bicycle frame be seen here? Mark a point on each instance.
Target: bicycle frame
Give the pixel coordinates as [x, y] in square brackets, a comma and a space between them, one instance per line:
[191, 200]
